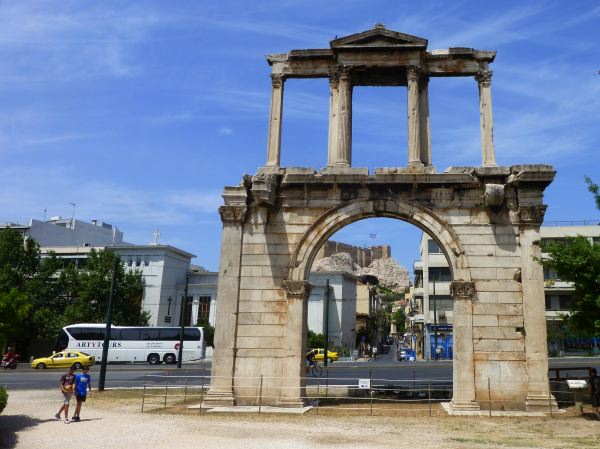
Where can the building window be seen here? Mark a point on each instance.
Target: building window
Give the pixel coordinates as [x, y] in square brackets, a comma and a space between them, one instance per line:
[433, 247]
[138, 261]
[146, 262]
[204, 307]
[550, 274]
[563, 302]
[129, 263]
[443, 303]
[440, 274]
[548, 302]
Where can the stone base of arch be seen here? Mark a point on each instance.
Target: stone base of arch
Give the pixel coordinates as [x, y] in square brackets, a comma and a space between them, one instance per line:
[486, 220]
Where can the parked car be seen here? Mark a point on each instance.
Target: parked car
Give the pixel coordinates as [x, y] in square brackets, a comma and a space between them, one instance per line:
[332, 356]
[64, 359]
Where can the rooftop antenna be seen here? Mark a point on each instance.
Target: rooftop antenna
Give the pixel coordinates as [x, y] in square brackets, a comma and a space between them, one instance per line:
[156, 235]
[73, 216]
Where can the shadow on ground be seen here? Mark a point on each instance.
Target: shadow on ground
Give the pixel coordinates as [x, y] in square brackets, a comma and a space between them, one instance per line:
[12, 424]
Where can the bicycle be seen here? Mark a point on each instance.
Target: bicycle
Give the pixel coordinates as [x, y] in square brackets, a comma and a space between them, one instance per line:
[314, 370]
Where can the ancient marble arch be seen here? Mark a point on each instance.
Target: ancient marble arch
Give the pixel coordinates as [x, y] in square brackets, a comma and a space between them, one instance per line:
[486, 219]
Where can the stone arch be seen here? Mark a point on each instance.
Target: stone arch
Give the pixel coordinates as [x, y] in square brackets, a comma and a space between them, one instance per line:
[338, 217]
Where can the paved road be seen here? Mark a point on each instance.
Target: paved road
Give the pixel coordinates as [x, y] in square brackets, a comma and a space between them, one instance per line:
[385, 370]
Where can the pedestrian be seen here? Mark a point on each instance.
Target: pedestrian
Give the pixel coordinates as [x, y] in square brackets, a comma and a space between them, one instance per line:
[66, 388]
[83, 384]
[374, 351]
[595, 391]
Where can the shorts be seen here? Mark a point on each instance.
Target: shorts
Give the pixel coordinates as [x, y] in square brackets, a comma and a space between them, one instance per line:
[67, 397]
[80, 397]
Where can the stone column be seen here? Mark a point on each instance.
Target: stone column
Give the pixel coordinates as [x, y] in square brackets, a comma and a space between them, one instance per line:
[463, 366]
[274, 138]
[223, 363]
[484, 81]
[425, 142]
[414, 136]
[343, 153]
[296, 326]
[539, 397]
[334, 84]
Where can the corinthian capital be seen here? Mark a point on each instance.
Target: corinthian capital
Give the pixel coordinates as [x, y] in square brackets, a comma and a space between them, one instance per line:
[297, 289]
[484, 78]
[413, 73]
[334, 79]
[531, 214]
[462, 290]
[233, 214]
[345, 71]
[277, 79]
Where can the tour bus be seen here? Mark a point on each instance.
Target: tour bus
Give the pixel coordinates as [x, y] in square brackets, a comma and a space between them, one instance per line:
[133, 344]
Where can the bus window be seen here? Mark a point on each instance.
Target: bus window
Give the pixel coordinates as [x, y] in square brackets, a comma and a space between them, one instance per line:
[191, 334]
[169, 334]
[130, 334]
[115, 334]
[150, 334]
[62, 341]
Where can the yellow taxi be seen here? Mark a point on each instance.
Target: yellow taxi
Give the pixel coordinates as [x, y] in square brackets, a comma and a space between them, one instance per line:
[64, 359]
[332, 356]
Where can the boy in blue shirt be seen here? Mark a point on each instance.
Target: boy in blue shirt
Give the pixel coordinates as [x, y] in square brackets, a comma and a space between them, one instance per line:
[83, 384]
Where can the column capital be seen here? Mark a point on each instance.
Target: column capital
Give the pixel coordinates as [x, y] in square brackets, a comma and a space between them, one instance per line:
[334, 79]
[462, 289]
[345, 72]
[297, 289]
[277, 79]
[531, 214]
[484, 78]
[233, 214]
[413, 73]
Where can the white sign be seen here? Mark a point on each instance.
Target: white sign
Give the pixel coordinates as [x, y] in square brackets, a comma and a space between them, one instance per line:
[577, 383]
[364, 384]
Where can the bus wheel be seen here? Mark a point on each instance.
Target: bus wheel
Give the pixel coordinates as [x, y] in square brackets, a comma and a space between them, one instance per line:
[153, 359]
[169, 359]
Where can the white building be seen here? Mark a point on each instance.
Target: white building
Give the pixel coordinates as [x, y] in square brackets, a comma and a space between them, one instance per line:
[342, 305]
[432, 271]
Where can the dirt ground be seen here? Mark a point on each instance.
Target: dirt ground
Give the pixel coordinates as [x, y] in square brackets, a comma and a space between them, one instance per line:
[114, 420]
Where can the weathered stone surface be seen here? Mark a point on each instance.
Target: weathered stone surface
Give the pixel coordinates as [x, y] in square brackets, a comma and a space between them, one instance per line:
[485, 218]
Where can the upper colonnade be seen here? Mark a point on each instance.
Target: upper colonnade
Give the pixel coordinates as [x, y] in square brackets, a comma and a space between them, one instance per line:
[380, 57]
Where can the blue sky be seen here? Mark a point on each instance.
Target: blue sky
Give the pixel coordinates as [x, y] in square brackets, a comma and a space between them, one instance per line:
[140, 112]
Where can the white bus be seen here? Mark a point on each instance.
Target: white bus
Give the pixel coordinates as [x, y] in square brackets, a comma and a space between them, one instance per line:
[133, 344]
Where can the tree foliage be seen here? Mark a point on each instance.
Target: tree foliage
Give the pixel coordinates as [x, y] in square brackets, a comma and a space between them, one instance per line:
[314, 340]
[399, 317]
[38, 296]
[594, 190]
[577, 260]
[209, 332]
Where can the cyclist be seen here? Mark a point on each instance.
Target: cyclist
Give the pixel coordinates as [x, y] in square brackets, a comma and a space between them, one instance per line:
[310, 359]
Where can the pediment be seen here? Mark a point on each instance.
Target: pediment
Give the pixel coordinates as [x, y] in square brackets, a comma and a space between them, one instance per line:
[378, 37]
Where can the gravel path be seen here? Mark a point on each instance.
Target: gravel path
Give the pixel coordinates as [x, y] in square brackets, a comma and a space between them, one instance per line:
[28, 422]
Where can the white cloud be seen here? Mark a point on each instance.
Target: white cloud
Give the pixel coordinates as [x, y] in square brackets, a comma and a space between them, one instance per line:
[225, 131]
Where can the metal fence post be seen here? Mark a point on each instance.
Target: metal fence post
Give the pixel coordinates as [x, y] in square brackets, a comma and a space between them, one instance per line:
[166, 389]
[327, 383]
[144, 392]
[550, 399]
[318, 393]
[186, 387]
[201, 396]
[414, 392]
[371, 389]
[490, 396]
[429, 394]
[260, 393]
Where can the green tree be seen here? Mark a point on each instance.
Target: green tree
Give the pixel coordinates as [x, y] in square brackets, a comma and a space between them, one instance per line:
[577, 260]
[90, 299]
[209, 332]
[314, 340]
[594, 190]
[399, 317]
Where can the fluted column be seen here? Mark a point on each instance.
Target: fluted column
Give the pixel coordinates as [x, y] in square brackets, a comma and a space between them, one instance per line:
[484, 81]
[414, 147]
[223, 364]
[274, 139]
[424, 120]
[334, 84]
[343, 154]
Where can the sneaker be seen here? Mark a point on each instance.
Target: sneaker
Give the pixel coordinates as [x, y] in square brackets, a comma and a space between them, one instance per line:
[67, 421]
[57, 416]
[76, 418]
